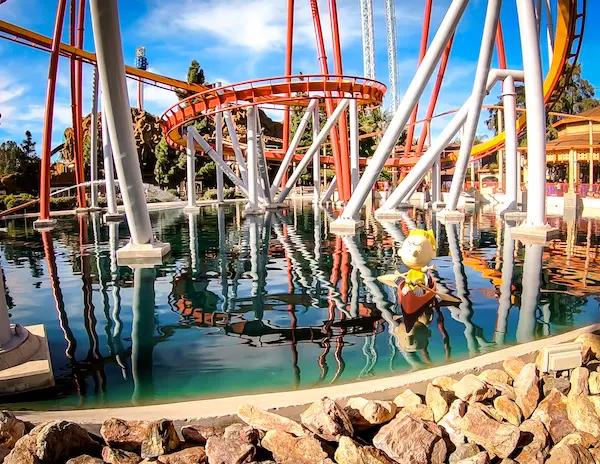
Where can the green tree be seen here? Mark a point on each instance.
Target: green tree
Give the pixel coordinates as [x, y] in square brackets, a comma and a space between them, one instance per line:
[195, 75]
[28, 145]
[169, 169]
[11, 158]
[21, 164]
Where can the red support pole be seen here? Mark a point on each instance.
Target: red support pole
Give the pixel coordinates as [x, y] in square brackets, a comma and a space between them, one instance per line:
[79, 88]
[49, 112]
[500, 46]
[434, 95]
[424, 39]
[334, 135]
[288, 71]
[343, 122]
[73, 66]
[140, 95]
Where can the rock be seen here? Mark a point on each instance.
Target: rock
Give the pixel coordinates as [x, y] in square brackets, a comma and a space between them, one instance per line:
[451, 422]
[513, 366]
[437, 400]
[578, 438]
[471, 389]
[410, 440]
[11, 429]
[420, 411]
[480, 458]
[534, 442]
[327, 419]
[508, 410]
[504, 389]
[489, 410]
[499, 439]
[591, 346]
[52, 442]
[125, 435]
[595, 452]
[193, 455]
[85, 459]
[199, 434]
[464, 451]
[407, 398]
[552, 412]
[243, 433]
[527, 390]
[264, 420]
[162, 439]
[562, 384]
[4, 451]
[222, 450]
[365, 413]
[445, 383]
[495, 376]
[288, 449]
[117, 456]
[582, 415]
[594, 383]
[350, 452]
[570, 454]
[579, 382]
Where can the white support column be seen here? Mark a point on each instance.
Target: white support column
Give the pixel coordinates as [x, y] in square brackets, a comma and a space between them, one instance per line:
[314, 148]
[536, 127]
[549, 30]
[239, 157]
[94, 145]
[109, 52]
[316, 159]
[506, 292]
[509, 98]
[252, 206]
[112, 213]
[263, 174]
[329, 192]
[5, 332]
[193, 242]
[532, 281]
[354, 143]
[436, 183]
[219, 150]
[287, 159]
[351, 213]
[479, 92]
[190, 153]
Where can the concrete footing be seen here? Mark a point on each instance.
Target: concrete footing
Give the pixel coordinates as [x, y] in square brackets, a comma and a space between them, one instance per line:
[144, 255]
[276, 206]
[438, 205]
[94, 209]
[344, 226]
[25, 364]
[44, 224]
[516, 216]
[82, 211]
[534, 235]
[253, 212]
[191, 210]
[382, 213]
[113, 217]
[450, 217]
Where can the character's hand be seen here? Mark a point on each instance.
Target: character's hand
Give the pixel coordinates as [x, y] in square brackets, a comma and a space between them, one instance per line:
[427, 268]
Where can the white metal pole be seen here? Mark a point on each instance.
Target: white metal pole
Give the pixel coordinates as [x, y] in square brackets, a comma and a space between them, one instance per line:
[509, 98]
[94, 143]
[532, 280]
[316, 158]
[505, 300]
[287, 159]
[190, 152]
[109, 170]
[536, 115]
[411, 97]
[109, 51]
[252, 159]
[239, 157]
[436, 181]
[262, 161]
[219, 150]
[314, 148]
[193, 238]
[354, 143]
[479, 92]
[5, 333]
[329, 192]
[549, 30]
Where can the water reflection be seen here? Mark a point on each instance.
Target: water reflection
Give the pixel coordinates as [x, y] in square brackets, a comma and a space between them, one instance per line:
[275, 302]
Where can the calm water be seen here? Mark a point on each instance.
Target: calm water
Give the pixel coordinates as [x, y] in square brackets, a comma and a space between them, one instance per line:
[277, 303]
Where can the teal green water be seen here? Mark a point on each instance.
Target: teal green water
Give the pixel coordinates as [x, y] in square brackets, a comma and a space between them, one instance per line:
[277, 303]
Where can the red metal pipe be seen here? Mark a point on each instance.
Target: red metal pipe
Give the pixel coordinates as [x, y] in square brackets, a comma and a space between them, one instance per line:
[288, 72]
[73, 67]
[49, 112]
[434, 95]
[335, 141]
[424, 40]
[343, 121]
[140, 95]
[500, 46]
[79, 88]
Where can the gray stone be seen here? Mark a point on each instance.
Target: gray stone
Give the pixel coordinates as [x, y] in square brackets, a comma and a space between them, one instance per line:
[222, 450]
[327, 419]
[562, 384]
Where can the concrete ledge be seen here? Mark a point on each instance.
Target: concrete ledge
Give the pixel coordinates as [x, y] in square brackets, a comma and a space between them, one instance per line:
[535, 235]
[516, 216]
[146, 255]
[44, 224]
[382, 213]
[342, 226]
[191, 210]
[291, 403]
[82, 211]
[450, 217]
[35, 372]
[113, 217]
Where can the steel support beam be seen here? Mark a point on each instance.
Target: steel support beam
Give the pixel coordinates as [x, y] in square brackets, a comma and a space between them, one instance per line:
[239, 157]
[94, 143]
[219, 150]
[353, 144]
[252, 206]
[509, 98]
[316, 159]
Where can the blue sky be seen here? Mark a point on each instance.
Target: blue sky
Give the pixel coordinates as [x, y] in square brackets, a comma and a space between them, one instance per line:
[238, 40]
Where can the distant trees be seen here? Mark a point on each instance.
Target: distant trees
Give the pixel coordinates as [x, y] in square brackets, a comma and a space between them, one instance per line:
[195, 75]
[19, 164]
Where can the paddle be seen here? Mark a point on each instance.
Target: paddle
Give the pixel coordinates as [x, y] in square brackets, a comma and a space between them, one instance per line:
[391, 280]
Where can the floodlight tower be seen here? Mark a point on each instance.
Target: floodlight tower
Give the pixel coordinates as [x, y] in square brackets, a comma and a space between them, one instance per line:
[392, 50]
[368, 39]
[141, 62]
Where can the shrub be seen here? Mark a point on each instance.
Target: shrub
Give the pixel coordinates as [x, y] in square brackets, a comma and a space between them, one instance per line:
[16, 200]
[63, 203]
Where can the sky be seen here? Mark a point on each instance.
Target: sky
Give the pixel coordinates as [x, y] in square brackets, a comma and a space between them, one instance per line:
[240, 40]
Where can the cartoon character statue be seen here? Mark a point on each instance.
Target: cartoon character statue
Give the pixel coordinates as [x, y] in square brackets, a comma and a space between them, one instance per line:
[416, 253]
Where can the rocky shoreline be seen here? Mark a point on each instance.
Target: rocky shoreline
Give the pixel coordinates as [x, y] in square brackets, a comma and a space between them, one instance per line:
[508, 415]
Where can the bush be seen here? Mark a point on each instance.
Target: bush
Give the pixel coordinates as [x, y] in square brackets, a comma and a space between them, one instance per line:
[11, 201]
[63, 203]
[210, 194]
[173, 192]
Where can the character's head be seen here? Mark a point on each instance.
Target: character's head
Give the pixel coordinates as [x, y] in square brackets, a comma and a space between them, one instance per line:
[418, 249]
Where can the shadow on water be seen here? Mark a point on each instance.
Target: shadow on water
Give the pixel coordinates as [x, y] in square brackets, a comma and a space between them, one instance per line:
[275, 302]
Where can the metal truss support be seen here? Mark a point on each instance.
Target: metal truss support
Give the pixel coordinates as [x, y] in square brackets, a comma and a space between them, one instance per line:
[392, 51]
[368, 38]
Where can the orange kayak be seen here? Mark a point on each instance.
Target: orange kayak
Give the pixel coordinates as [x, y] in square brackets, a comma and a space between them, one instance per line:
[414, 302]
